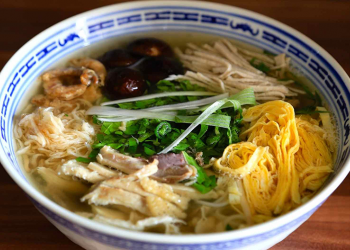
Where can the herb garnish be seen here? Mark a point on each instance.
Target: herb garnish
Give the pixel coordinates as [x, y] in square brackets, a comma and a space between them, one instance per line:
[260, 66]
[165, 86]
[151, 136]
[313, 96]
[309, 110]
[204, 182]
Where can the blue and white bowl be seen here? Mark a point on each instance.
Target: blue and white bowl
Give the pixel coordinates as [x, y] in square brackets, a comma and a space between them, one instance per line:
[89, 28]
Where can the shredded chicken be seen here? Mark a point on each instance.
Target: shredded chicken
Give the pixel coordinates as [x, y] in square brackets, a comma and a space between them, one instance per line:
[155, 194]
[92, 172]
[140, 225]
[124, 163]
[172, 167]
[73, 168]
[138, 192]
[192, 193]
[48, 137]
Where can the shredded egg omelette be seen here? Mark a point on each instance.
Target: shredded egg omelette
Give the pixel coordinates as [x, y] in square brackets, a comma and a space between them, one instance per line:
[283, 160]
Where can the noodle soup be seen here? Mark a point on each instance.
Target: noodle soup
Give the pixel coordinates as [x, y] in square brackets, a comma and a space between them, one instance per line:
[167, 134]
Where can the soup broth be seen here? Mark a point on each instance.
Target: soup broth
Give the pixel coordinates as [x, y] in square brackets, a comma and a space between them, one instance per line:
[207, 160]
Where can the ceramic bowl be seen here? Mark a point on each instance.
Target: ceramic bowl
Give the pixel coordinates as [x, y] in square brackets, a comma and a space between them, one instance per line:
[92, 27]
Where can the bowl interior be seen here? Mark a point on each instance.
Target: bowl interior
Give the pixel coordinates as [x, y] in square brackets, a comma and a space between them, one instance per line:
[85, 33]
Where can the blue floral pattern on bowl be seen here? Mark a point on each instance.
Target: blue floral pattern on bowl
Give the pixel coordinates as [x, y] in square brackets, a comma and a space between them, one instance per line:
[93, 27]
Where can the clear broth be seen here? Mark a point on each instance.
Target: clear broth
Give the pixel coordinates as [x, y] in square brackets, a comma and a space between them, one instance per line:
[174, 39]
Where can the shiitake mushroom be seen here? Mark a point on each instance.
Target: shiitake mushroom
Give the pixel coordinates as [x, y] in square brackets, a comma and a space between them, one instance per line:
[159, 68]
[145, 59]
[124, 83]
[150, 47]
[118, 58]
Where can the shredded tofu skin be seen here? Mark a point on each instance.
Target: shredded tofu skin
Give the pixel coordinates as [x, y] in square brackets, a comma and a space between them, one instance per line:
[48, 137]
[224, 67]
[284, 161]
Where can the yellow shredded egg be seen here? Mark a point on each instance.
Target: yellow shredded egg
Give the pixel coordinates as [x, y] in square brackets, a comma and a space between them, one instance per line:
[283, 161]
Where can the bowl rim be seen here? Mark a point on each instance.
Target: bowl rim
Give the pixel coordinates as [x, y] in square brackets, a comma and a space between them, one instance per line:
[282, 220]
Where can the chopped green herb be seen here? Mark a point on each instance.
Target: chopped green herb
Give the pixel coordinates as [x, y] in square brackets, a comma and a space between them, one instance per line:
[162, 129]
[204, 182]
[308, 92]
[311, 95]
[181, 146]
[204, 129]
[144, 124]
[149, 151]
[132, 129]
[95, 120]
[261, 66]
[126, 105]
[308, 110]
[165, 86]
[83, 159]
[110, 127]
[147, 137]
[93, 154]
[186, 85]
[145, 103]
[115, 145]
[132, 145]
[160, 134]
